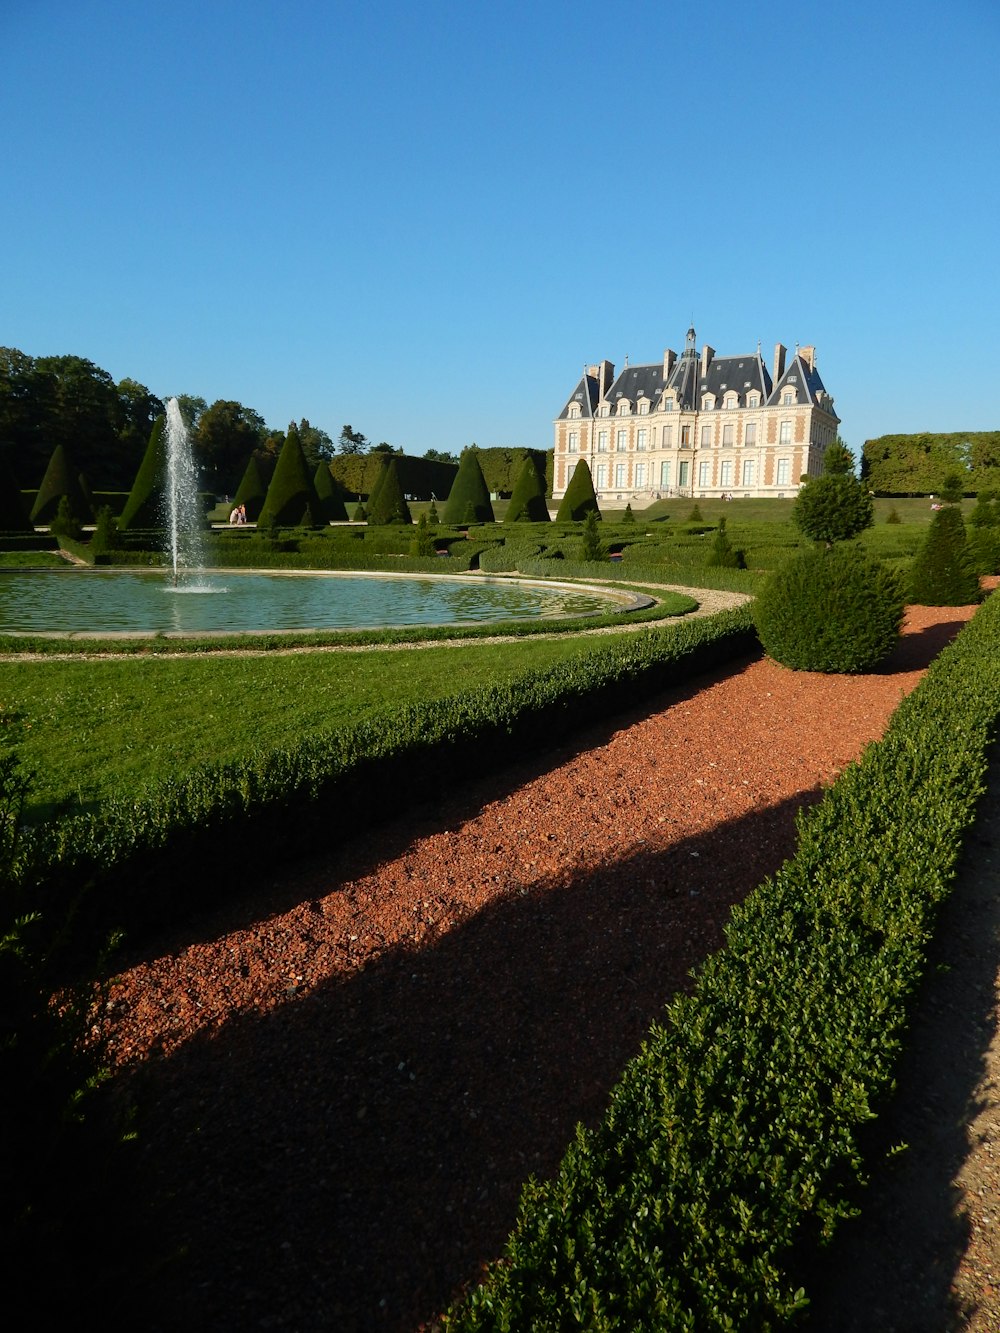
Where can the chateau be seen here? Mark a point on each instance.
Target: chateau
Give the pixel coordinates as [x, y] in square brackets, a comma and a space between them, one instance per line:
[697, 425]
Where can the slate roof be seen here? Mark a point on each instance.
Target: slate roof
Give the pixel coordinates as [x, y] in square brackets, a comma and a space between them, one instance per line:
[586, 394]
[636, 382]
[800, 377]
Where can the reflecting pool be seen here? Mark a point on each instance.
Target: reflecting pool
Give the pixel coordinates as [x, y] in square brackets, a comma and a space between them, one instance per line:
[230, 602]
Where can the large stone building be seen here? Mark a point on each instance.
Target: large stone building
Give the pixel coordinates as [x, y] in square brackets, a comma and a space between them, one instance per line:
[697, 425]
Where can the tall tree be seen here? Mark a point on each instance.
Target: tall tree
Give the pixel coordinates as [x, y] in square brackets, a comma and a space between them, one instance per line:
[316, 444]
[227, 435]
[352, 441]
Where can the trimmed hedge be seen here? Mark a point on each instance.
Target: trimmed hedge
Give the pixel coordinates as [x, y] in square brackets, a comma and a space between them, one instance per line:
[148, 856]
[731, 1147]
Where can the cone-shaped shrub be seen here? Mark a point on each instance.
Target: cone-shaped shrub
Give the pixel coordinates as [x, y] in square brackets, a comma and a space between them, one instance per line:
[579, 499]
[723, 554]
[943, 572]
[383, 468]
[252, 490]
[331, 499]
[469, 497]
[105, 534]
[527, 500]
[291, 498]
[628, 516]
[61, 480]
[14, 515]
[591, 547]
[833, 610]
[423, 539]
[984, 515]
[65, 523]
[388, 503]
[144, 506]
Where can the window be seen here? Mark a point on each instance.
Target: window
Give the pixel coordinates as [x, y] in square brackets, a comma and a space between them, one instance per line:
[726, 472]
[685, 437]
[683, 473]
[643, 406]
[621, 441]
[753, 400]
[788, 398]
[748, 470]
[785, 432]
[706, 436]
[640, 475]
[665, 473]
[668, 437]
[605, 410]
[668, 404]
[728, 433]
[640, 438]
[729, 402]
[750, 434]
[624, 408]
[574, 410]
[602, 441]
[703, 474]
[784, 470]
[619, 475]
[602, 476]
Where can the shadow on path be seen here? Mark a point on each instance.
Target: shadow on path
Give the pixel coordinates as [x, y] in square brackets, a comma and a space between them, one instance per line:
[388, 1120]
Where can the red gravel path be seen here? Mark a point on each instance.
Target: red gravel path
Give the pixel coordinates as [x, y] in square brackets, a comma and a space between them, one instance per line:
[347, 1078]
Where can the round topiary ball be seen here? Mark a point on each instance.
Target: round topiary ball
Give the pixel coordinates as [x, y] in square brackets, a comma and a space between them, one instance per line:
[832, 610]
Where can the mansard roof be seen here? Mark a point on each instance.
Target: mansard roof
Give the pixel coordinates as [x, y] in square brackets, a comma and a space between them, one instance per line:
[585, 395]
[799, 375]
[739, 374]
[637, 382]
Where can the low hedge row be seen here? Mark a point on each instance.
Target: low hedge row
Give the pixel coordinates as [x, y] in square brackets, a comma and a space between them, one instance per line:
[731, 1146]
[144, 858]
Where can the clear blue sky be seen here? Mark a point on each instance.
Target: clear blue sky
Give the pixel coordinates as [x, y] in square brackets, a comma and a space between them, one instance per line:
[424, 219]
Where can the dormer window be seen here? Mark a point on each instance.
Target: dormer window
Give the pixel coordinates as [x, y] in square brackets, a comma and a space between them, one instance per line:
[624, 407]
[708, 402]
[753, 400]
[730, 400]
[643, 406]
[574, 410]
[668, 404]
[605, 410]
[788, 398]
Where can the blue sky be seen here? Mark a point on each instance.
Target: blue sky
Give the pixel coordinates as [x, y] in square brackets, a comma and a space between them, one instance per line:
[425, 219]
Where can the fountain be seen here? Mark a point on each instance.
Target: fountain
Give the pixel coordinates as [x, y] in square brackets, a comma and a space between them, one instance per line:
[181, 500]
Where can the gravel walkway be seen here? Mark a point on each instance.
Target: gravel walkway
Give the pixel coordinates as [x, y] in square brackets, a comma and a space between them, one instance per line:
[346, 1078]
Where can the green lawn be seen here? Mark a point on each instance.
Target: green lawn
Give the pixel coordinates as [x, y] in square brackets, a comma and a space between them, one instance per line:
[87, 728]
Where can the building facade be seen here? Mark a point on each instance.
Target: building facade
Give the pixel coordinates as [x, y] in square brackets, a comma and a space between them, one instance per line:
[697, 425]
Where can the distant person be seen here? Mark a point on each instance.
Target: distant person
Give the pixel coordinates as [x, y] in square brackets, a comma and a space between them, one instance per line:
[234, 517]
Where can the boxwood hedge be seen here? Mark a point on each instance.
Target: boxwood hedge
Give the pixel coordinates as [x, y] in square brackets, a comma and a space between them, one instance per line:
[731, 1146]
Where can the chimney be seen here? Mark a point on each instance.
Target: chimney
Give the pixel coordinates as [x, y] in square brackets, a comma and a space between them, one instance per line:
[669, 361]
[808, 355]
[706, 359]
[605, 377]
[779, 362]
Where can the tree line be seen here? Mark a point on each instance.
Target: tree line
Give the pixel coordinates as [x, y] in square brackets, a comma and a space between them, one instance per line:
[105, 425]
[920, 464]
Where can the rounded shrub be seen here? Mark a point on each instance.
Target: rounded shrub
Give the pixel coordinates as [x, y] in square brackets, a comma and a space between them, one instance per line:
[833, 508]
[834, 610]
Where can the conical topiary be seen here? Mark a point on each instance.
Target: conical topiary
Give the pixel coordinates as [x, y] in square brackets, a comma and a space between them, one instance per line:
[144, 506]
[943, 571]
[527, 500]
[291, 499]
[330, 496]
[388, 503]
[591, 547]
[579, 499]
[61, 480]
[383, 468]
[469, 498]
[723, 555]
[252, 490]
[14, 515]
